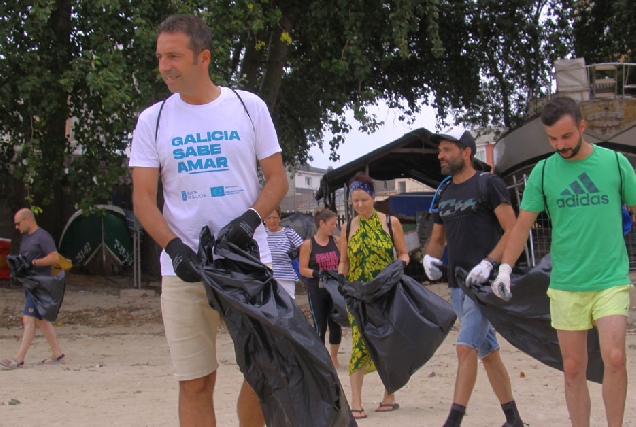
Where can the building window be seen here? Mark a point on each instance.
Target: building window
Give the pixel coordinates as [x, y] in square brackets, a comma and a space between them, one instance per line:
[308, 181]
[481, 154]
[402, 187]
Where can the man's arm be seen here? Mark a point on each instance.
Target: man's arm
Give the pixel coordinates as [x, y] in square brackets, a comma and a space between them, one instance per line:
[506, 217]
[145, 182]
[516, 241]
[275, 185]
[51, 258]
[437, 242]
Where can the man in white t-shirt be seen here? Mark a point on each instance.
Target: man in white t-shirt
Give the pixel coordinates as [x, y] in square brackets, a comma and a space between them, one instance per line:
[204, 142]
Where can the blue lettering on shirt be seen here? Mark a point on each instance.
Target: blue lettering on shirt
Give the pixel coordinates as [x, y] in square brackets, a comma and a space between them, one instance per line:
[217, 135]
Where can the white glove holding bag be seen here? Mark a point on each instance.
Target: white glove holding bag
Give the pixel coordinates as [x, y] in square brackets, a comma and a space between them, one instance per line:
[431, 267]
[501, 285]
[480, 273]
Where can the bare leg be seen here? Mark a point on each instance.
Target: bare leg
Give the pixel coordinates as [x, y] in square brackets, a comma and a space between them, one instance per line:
[356, 379]
[334, 354]
[27, 337]
[51, 337]
[196, 402]
[577, 396]
[387, 399]
[612, 330]
[498, 377]
[249, 408]
[466, 374]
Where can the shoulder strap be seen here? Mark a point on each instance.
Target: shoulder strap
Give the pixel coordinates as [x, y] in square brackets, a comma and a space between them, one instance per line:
[244, 107]
[545, 201]
[620, 174]
[482, 188]
[158, 117]
[388, 224]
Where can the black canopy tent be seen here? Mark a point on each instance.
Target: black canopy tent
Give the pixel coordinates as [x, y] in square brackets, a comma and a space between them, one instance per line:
[411, 156]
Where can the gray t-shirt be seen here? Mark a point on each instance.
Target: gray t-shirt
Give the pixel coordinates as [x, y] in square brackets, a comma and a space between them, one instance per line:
[35, 246]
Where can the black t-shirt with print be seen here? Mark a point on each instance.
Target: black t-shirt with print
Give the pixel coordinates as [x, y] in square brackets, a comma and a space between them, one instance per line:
[472, 229]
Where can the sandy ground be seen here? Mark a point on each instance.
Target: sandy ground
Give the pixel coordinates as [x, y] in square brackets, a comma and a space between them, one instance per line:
[118, 372]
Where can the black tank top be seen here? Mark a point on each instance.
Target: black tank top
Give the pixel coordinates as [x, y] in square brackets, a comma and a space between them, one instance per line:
[323, 257]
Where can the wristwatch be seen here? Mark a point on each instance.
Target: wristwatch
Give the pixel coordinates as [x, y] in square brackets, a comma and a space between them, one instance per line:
[492, 262]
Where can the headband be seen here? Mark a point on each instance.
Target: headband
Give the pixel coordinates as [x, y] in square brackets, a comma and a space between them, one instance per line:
[359, 185]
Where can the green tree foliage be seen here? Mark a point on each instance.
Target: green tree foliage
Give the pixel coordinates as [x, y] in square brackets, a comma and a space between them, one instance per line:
[605, 30]
[310, 61]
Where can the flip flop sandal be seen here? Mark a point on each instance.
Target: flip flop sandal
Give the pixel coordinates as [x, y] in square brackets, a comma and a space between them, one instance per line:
[12, 363]
[54, 360]
[393, 406]
[361, 415]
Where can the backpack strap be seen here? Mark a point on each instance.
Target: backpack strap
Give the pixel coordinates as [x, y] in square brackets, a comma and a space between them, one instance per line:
[245, 108]
[348, 229]
[620, 174]
[235, 93]
[545, 200]
[158, 117]
[388, 224]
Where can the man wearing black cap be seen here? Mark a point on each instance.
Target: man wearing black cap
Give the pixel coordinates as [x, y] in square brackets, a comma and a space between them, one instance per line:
[471, 213]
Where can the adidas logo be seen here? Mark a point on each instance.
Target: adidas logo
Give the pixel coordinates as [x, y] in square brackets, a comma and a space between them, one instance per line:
[582, 192]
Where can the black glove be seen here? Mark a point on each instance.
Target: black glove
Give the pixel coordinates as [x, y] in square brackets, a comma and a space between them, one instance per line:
[341, 282]
[315, 274]
[183, 260]
[242, 228]
[293, 253]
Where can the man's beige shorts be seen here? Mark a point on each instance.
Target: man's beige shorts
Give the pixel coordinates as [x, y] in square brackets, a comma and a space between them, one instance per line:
[191, 327]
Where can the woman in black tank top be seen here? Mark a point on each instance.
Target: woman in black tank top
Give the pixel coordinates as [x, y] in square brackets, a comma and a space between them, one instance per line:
[321, 253]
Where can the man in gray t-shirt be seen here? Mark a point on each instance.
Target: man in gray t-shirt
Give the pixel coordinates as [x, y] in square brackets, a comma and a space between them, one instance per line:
[39, 248]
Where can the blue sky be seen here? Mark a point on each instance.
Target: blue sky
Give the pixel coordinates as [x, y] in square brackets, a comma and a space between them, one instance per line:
[358, 144]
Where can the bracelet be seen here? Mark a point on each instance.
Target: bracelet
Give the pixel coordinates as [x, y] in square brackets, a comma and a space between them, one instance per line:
[492, 262]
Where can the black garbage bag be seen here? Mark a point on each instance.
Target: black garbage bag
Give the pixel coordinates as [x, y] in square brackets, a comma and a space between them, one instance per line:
[524, 320]
[47, 292]
[329, 279]
[19, 266]
[280, 354]
[401, 321]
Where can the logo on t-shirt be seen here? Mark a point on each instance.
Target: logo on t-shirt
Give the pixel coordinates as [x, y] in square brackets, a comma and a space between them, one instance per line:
[192, 195]
[582, 192]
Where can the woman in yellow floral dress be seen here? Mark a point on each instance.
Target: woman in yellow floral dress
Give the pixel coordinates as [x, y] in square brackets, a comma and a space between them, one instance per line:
[367, 252]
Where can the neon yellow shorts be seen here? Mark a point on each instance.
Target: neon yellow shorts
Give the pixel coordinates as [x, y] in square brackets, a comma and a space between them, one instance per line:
[578, 311]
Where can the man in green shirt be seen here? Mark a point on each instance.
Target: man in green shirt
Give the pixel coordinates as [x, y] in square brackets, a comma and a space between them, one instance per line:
[581, 187]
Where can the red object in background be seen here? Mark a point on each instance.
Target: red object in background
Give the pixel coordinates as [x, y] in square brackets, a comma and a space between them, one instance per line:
[5, 247]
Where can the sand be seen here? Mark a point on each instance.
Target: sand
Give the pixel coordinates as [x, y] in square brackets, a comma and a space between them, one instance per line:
[118, 372]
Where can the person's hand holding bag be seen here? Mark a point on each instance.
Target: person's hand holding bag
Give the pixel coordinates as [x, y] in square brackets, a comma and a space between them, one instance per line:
[241, 229]
[183, 260]
[431, 267]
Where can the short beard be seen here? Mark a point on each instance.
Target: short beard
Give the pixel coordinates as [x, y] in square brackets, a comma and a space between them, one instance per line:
[575, 150]
[453, 168]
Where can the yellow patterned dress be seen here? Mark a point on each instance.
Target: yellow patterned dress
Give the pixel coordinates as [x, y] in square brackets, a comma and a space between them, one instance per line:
[369, 251]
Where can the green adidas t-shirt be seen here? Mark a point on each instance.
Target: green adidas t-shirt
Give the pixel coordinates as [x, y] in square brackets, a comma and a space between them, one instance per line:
[588, 250]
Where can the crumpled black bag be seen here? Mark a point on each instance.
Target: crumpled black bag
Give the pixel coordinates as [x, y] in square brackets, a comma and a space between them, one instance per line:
[339, 312]
[524, 320]
[47, 292]
[401, 321]
[280, 354]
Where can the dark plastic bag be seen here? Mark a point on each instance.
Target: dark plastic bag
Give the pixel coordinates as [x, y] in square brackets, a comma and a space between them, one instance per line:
[280, 354]
[401, 321]
[329, 280]
[47, 292]
[524, 320]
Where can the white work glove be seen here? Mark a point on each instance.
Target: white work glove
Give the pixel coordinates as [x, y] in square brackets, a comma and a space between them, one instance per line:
[479, 274]
[501, 285]
[431, 267]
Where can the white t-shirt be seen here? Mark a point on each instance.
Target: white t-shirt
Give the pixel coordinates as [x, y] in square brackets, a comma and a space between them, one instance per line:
[208, 158]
